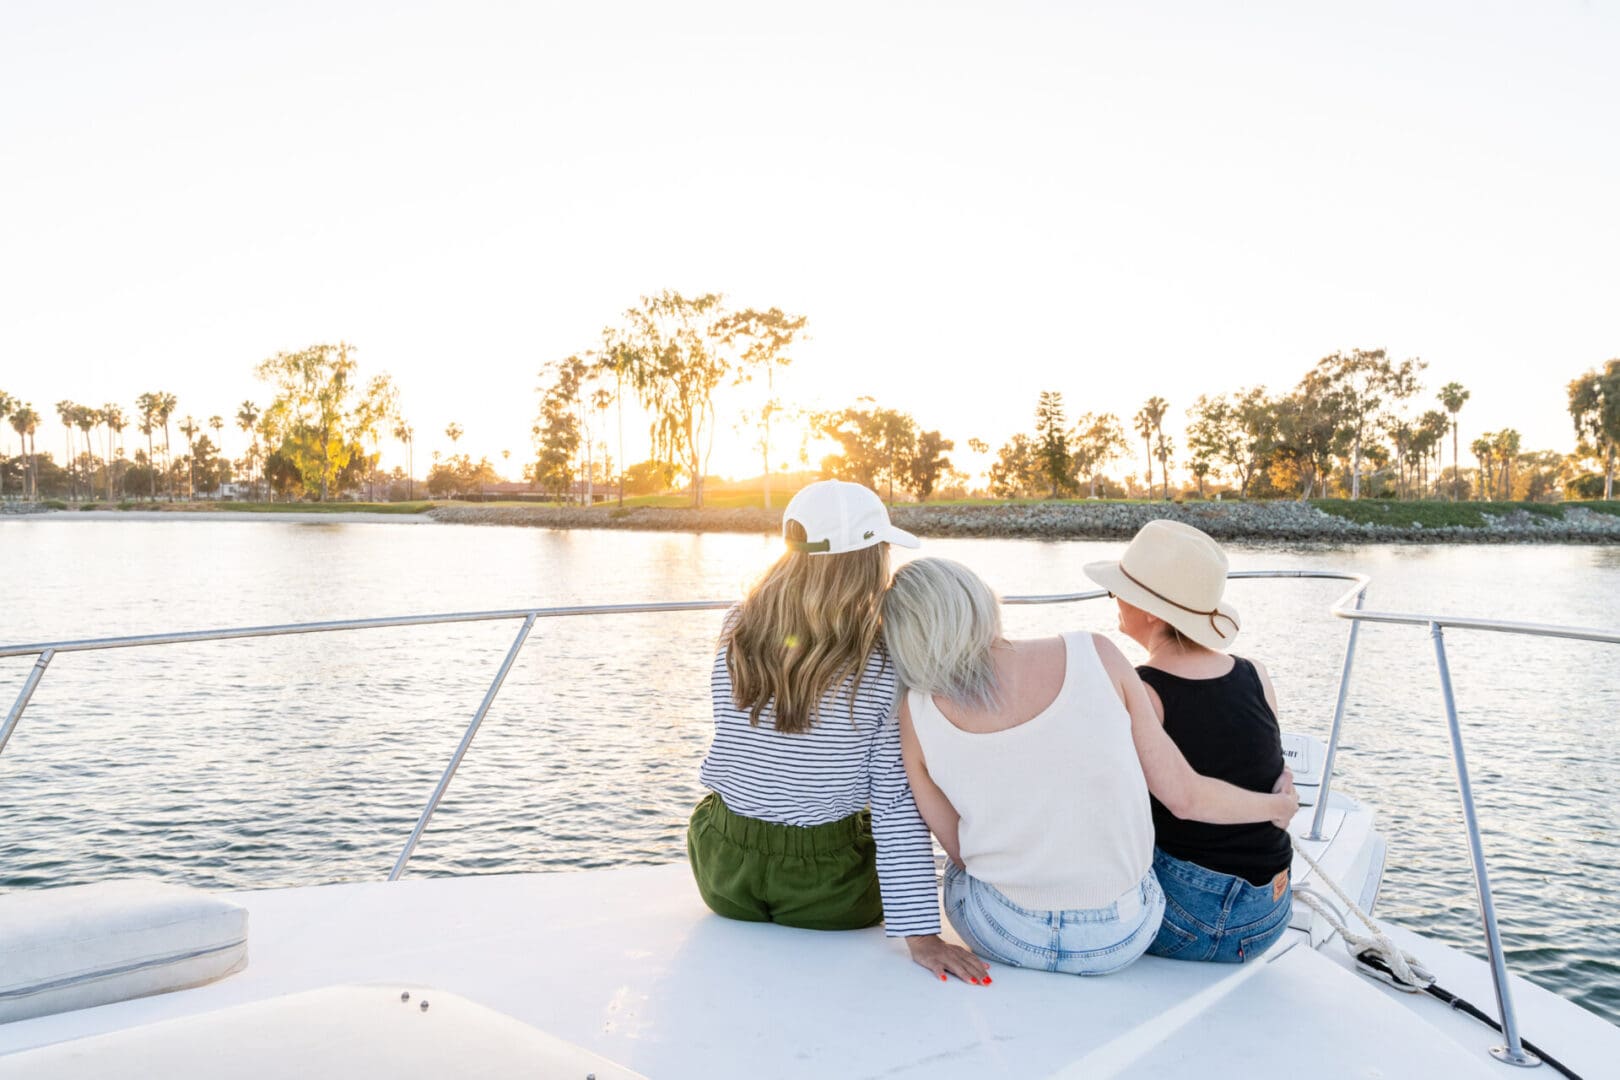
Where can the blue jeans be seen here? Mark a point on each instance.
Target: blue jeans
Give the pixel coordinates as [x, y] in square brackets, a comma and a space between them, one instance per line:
[1219, 917]
[1083, 941]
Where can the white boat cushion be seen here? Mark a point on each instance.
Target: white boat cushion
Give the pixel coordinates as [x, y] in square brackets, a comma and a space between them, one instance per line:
[84, 945]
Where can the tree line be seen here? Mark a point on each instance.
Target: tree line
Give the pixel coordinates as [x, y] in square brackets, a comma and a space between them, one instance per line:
[1357, 422]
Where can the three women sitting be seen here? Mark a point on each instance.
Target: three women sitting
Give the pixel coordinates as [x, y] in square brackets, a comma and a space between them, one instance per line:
[1032, 761]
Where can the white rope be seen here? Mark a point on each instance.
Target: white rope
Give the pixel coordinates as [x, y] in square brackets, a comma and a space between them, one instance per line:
[1410, 974]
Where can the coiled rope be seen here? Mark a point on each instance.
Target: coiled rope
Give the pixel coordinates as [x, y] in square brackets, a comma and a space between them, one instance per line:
[1380, 958]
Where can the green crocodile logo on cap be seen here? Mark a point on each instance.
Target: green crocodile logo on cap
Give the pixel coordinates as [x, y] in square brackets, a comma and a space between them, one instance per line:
[868, 535]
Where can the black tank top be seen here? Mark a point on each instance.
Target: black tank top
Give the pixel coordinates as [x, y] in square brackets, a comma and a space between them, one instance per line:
[1226, 730]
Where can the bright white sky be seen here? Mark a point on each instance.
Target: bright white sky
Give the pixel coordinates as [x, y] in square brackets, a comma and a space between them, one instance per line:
[971, 203]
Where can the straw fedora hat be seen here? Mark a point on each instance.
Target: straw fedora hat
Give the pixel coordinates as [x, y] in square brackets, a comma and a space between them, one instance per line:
[1177, 573]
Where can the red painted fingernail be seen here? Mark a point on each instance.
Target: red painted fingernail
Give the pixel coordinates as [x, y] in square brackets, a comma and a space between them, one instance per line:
[943, 979]
[975, 982]
[987, 980]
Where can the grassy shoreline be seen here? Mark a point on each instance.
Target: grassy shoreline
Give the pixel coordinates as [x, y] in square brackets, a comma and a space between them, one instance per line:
[1326, 520]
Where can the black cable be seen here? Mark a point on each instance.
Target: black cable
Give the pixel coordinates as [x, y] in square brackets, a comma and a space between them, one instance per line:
[1376, 962]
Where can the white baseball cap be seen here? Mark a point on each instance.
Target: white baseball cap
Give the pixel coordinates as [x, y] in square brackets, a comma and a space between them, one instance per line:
[838, 516]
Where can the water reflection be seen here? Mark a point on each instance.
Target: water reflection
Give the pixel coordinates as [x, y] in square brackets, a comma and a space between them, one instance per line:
[307, 759]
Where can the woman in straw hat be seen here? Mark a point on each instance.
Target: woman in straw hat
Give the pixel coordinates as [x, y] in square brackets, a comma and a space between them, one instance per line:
[1032, 761]
[1226, 885]
[809, 821]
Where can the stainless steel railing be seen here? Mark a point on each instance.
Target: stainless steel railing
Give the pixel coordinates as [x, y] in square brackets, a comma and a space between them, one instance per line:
[1348, 606]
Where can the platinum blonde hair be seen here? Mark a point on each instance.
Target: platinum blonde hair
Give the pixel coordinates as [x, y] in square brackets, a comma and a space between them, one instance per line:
[939, 621]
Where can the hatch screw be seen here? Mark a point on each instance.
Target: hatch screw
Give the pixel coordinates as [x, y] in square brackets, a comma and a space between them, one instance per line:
[404, 995]
[424, 1005]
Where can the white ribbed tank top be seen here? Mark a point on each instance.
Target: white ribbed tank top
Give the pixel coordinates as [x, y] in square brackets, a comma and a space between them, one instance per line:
[1055, 810]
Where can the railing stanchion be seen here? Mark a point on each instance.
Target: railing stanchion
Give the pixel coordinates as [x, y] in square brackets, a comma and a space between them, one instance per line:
[27, 691]
[461, 749]
[1338, 720]
[1514, 1052]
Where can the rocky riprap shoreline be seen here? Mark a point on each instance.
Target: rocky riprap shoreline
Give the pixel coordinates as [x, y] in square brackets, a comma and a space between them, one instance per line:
[1269, 521]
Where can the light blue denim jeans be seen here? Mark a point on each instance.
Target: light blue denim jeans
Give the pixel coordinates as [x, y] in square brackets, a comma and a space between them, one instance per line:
[1084, 941]
[1213, 916]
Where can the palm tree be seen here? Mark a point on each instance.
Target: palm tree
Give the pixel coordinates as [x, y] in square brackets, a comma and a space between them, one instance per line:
[1144, 428]
[166, 404]
[1506, 445]
[407, 435]
[1453, 397]
[65, 411]
[87, 420]
[148, 406]
[25, 421]
[7, 405]
[113, 416]
[247, 415]
[1482, 449]
[1163, 451]
[189, 428]
[1153, 411]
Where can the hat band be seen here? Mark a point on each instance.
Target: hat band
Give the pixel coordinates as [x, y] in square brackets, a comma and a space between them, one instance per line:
[811, 547]
[1212, 614]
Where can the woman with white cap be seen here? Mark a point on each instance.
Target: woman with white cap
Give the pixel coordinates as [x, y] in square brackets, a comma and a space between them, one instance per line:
[1032, 761]
[809, 821]
[1226, 886]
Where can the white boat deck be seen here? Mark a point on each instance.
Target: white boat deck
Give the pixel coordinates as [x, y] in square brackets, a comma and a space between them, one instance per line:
[628, 963]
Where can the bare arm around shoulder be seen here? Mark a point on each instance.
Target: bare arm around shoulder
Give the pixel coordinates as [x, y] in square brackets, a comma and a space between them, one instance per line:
[1172, 781]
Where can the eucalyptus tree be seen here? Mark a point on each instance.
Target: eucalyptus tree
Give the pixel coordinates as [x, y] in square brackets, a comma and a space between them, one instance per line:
[928, 463]
[1453, 397]
[378, 408]
[681, 359]
[760, 341]
[1237, 431]
[1095, 440]
[1363, 381]
[1594, 406]
[1310, 432]
[314, 418]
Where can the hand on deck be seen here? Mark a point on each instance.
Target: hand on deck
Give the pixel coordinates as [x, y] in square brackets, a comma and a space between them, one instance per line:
[933, 953]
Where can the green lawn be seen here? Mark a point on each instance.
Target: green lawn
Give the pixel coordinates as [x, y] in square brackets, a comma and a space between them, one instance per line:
[416, 507]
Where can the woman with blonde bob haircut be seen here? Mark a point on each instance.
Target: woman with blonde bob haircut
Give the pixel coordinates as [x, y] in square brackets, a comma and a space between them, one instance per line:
[809, 820]
[1032, 760]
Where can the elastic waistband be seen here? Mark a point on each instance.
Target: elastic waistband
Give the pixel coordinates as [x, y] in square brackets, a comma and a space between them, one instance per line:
[772, 838]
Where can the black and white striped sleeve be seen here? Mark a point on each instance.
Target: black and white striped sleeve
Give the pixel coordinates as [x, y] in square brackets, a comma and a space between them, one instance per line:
[905, 852]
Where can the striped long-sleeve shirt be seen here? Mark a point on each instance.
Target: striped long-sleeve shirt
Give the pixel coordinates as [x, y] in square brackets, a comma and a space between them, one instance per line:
[835, 769]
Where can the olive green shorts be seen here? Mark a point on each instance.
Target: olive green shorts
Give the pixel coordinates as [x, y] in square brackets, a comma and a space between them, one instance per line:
[823, 877]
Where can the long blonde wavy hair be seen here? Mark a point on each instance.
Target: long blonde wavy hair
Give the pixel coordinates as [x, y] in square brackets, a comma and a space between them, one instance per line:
[804, 628]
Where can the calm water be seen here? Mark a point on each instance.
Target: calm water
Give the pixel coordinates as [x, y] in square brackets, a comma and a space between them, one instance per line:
[303, 760]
